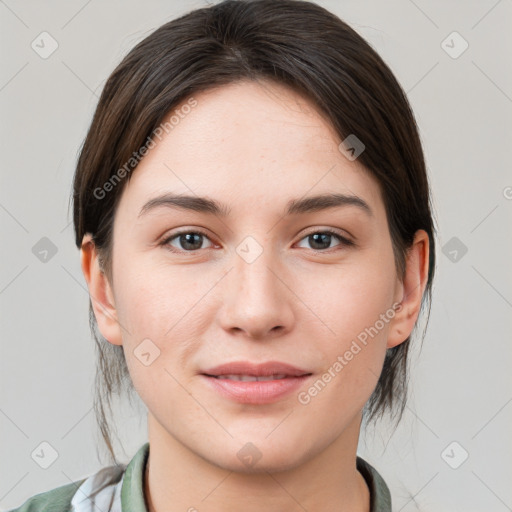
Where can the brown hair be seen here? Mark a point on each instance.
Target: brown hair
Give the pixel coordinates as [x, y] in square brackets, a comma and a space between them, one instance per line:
[292, 42]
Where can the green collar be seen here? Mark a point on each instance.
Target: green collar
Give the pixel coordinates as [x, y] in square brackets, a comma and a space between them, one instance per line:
[380, 497]
[132, 491]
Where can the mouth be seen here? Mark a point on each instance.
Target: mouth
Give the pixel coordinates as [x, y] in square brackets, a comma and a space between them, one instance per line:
[250, 378]
[250, 383]
[271, 369]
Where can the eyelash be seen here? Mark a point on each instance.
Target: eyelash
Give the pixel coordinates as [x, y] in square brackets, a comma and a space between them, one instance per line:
[344, 241]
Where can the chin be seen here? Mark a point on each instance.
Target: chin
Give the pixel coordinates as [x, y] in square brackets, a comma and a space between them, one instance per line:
[259, 456]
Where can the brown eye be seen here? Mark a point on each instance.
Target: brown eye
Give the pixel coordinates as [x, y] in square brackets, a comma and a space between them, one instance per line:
[187, 241]
[321, 240]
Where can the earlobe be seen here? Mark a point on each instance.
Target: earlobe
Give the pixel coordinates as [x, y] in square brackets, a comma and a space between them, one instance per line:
[410, 290]
[100, 292]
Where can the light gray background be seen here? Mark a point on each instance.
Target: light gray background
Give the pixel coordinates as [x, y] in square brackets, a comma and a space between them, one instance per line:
[461, 381]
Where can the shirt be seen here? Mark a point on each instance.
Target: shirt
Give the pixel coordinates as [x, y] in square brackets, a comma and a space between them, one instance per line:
[121, 489]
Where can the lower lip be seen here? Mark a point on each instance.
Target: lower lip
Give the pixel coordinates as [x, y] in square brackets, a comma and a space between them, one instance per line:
[256, 392]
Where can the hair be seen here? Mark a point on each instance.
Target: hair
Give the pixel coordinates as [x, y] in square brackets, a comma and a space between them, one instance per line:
[290, 42]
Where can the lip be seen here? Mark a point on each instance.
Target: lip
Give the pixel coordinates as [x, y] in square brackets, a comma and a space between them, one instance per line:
[256, 392]
[256, 370]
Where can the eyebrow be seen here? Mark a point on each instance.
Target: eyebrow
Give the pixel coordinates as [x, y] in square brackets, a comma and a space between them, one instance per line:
[293, 207]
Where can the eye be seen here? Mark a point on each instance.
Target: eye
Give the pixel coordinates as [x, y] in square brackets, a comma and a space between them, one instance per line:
[321, 240]
[191, 241]
[188, 240]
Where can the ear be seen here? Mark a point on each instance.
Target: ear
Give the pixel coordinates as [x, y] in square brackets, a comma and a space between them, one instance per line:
[100, 292]
[410, 292]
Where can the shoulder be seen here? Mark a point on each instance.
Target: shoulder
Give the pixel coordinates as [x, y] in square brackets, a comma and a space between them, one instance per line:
[54, 500]
[100, 491]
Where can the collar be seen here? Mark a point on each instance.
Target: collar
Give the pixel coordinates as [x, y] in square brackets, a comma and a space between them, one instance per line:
[132, 491]
[380, 497]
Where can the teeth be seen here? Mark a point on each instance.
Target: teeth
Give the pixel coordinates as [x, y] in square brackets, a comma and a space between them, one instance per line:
[251, 378]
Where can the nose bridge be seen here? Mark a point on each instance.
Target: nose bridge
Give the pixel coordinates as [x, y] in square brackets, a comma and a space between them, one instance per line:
[254, 266]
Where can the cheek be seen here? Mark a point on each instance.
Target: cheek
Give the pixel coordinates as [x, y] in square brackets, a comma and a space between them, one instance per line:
[352, 359]
[161, 320]
[356, 304]
[155, 300]
[356, 296]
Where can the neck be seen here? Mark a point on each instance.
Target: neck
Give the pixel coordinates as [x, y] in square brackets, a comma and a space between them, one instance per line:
[178, 479]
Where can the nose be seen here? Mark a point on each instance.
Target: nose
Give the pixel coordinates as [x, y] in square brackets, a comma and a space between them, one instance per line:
[257, 299]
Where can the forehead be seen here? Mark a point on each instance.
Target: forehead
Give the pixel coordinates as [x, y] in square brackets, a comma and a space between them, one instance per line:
[249, 145]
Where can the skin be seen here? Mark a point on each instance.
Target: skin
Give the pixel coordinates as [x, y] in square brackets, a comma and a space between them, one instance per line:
[253, 146]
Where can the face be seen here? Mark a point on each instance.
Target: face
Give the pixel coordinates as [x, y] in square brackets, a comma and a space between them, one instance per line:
[253, 282]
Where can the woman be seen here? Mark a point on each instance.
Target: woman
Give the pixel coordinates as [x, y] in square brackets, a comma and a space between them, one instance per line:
[271, 136]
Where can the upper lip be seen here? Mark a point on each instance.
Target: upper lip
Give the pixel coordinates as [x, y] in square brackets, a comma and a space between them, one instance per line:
[256, 370]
